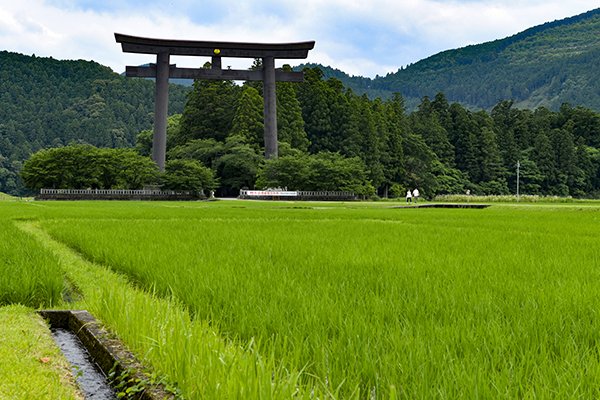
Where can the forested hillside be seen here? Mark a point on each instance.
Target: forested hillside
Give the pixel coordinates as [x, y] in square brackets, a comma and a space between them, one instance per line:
[333, 139]
[48, 103]
[546, 65]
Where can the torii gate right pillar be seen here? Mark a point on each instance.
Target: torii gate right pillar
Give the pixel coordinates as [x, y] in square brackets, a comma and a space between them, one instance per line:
[161, 110]
[270, 107]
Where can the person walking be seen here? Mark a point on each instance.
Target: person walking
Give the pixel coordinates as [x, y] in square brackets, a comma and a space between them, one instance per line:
[415, 194]
[408, 196]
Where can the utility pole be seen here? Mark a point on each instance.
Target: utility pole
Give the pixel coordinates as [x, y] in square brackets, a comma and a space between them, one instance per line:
[518, 168]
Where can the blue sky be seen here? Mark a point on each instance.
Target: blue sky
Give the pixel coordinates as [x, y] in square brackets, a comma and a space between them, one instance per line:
[360, 37]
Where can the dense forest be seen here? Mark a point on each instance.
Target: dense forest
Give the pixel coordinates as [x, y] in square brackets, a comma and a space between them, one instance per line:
[546, 65]
[381, 149]
[333, 139]
[49, 103]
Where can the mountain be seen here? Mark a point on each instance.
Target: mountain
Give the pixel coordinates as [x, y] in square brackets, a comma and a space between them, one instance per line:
[358, 84]
[546, 65]
[46, 103]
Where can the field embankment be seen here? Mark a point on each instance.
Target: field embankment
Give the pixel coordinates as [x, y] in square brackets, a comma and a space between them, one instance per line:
[4, 196]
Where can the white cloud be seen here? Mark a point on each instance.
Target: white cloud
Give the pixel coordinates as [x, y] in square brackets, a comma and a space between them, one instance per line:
[357, 36]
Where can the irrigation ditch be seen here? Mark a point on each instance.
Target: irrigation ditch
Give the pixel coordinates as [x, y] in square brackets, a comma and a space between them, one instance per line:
[103, 366]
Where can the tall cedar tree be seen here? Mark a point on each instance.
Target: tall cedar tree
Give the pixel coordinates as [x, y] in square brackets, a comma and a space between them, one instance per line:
[312, 94]
[209, 110]
[290, 125]
[426, 121]
[248, 119]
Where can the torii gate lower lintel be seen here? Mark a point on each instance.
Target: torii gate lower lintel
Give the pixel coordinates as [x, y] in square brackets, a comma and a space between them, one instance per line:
[163, 70]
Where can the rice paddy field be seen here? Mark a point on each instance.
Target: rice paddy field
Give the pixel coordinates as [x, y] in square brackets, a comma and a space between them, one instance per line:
[28, 275]
[242, 299]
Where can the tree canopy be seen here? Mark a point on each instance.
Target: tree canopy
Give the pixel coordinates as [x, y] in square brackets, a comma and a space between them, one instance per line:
[89, 167]
[334, 138]
[86, 166]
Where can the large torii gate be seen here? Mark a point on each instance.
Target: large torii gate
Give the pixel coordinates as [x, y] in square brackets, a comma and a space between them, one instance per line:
[162, 71]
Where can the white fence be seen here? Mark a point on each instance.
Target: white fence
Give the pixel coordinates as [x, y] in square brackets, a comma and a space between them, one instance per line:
[116, 194]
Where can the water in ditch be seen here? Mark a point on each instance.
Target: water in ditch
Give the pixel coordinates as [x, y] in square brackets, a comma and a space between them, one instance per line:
[90, 379]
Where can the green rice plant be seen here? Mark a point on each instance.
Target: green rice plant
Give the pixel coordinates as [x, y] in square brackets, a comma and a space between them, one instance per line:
[371, 302]
[28, 275]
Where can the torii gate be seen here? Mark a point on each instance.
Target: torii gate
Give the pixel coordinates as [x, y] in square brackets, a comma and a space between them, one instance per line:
[162, 71]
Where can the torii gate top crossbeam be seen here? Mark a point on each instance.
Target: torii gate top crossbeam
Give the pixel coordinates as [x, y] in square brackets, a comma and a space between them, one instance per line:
[136, 44]
[162, 70]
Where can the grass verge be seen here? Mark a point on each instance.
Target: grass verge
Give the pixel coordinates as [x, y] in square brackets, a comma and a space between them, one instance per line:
[31, 365]
[506, 199]
[4, 196]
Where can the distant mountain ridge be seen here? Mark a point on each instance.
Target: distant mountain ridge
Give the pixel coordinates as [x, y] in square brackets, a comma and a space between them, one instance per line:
[546, 65]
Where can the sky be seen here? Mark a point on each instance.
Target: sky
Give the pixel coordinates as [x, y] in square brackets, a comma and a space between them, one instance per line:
[359, 37]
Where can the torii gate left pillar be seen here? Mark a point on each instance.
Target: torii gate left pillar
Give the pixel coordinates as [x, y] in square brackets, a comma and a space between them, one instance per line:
[270, 107]
[162, 71]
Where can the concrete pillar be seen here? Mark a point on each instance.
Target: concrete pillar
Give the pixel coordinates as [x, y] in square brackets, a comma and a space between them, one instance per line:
[161, 109]
[270, 110]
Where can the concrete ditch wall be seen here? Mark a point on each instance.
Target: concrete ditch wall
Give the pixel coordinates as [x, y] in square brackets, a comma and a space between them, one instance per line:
[106, 350]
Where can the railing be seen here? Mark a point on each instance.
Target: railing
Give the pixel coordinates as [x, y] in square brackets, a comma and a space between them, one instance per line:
[296, 195]
[115, 194]
[141, 192]
[325, 193]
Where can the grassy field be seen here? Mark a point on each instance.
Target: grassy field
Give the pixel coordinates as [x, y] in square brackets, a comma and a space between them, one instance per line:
[353, 300]
[28, 275]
